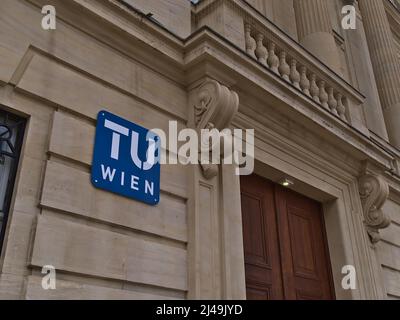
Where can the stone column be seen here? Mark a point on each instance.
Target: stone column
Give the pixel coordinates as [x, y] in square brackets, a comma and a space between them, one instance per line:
[215, 245]
[314, 28]
[385, 63]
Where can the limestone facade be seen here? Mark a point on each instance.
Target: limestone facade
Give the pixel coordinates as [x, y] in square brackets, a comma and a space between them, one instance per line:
[324, 103]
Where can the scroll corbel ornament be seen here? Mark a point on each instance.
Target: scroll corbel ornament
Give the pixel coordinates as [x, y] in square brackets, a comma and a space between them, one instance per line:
[374, 192]
[214, 108]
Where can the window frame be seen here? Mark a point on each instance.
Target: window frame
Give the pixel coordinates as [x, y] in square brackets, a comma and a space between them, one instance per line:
[21, 124]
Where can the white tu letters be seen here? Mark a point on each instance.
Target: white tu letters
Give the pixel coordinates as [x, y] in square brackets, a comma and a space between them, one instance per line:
[119, 130]
[116, 137]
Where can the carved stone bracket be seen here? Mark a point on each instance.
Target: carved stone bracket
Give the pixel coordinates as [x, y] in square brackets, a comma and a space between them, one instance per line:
[215, 105]
[374, 192]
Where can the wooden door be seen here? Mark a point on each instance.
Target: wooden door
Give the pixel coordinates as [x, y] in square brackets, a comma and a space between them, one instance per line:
[262, 257]
[286, 255]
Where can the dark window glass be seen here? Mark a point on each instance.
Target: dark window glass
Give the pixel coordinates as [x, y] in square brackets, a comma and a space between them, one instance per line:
[11, 134]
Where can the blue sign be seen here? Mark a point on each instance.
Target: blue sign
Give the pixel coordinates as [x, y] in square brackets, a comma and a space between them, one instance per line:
[126, 159]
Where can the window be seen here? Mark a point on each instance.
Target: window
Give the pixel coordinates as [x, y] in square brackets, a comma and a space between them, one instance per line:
[11, 134]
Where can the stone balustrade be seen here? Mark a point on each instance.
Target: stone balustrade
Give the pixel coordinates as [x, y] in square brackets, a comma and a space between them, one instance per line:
[246, 28]
[294, 69]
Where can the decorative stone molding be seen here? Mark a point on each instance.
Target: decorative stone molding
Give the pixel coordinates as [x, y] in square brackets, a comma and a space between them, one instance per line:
[374, 191]
[215, 105]
[261, 46]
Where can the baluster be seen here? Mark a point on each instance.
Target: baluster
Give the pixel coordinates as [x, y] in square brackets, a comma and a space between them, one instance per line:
[249, 41]
[273, 60]
[323, 95]
[332, 101]
[261, 50]
[304, 82]
[341, 109]
[294, 74]
[314, 90]
[284, 68]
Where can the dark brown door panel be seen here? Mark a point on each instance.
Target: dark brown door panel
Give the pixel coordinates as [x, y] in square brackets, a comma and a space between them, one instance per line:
[286, 253]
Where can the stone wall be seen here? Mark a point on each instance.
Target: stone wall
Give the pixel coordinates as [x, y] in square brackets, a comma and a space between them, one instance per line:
[389, 250]
[101, 56]
[102, 245]
[172, 14]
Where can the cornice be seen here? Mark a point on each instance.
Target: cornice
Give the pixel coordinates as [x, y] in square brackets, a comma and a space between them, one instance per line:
[209, 47]
[180, 60]
[275, 33]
